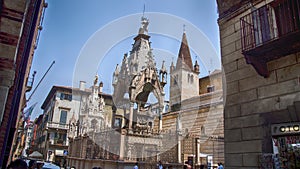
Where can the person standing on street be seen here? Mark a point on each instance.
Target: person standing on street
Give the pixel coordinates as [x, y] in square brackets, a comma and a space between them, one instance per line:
[160, 166]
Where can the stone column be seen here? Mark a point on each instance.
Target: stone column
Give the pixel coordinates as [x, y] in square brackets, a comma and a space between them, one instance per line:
[179, 150]
[130, 116]
[160, 119]
[129, 152]
[114, 110]
[198, 151]
[122, 146]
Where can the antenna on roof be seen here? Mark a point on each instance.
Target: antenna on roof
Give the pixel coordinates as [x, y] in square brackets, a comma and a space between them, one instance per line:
[184, 27]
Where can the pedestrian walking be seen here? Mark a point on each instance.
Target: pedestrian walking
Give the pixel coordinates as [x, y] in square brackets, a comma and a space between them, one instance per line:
[136, 166]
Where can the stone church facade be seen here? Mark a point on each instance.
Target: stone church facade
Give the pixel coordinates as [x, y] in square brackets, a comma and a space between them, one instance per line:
[191, 131]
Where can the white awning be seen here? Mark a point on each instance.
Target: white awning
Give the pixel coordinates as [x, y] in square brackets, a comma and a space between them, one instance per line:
[36, 154]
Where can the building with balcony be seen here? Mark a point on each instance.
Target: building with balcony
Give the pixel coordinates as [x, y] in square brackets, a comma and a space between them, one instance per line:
[65, 108]
[260, 55]
[61, 104]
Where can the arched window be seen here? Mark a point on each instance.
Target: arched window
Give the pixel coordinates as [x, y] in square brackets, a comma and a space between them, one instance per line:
[192, 79]
[175, 79]
[202, 130]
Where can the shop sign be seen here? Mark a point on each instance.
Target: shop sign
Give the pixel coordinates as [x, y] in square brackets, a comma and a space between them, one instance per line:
[285, 128]
[59, 152]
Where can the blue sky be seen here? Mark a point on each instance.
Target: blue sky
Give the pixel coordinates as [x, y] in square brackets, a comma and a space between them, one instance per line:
[71, 25]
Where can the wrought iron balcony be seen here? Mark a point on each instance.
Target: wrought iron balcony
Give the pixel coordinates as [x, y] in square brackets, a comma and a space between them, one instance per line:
[270, 32]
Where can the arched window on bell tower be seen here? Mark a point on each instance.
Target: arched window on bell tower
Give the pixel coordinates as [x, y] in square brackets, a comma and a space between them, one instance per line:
[202, 130]
[175, 80]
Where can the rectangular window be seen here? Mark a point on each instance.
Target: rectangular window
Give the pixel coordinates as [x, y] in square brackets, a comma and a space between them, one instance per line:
[63, 117]
[64, 137]
[64, 96]
[118, 122]
[69, 97]
[210, 89]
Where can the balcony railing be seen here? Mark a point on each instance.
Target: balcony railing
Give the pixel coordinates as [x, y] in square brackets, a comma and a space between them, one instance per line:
[270, 31]
[57, 125]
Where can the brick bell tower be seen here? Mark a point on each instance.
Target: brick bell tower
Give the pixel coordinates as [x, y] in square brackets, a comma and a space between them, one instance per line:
[184, 77]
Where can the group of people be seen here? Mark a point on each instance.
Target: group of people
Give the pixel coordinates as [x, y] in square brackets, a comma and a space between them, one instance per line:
[21, 164]
[220, 166]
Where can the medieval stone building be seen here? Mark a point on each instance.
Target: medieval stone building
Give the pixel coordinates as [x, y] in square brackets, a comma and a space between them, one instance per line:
[138, 130]
[261, 60]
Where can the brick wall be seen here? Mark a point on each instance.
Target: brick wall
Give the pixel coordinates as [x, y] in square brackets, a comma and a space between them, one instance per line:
[10, 27]
[15, 59]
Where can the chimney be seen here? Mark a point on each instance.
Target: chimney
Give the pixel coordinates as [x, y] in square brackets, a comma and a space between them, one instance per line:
[82, 85]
